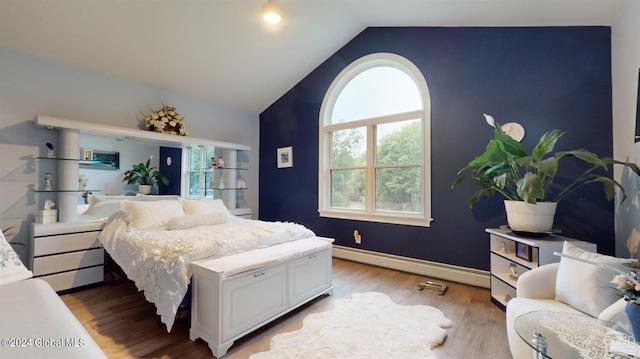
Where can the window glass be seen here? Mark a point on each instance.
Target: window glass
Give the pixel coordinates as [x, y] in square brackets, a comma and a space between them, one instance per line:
[363, 97]
[399, 143]
[347, 188]
[348, 147]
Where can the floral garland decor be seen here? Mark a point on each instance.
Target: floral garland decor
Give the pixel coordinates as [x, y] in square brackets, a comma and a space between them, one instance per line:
[165, 120]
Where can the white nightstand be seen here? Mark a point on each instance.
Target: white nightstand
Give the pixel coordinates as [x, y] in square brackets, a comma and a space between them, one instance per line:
[67, 255]
[504, 260]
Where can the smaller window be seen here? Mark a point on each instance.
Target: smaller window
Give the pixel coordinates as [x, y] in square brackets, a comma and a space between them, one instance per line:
[214, 173]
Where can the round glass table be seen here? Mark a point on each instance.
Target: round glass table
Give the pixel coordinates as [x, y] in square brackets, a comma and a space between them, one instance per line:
[562, 335]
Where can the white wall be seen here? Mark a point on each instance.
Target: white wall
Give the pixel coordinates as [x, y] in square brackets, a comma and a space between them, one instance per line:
[30, 86]
[625, 64]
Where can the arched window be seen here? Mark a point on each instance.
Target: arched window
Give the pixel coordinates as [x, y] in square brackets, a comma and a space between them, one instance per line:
[374, 143]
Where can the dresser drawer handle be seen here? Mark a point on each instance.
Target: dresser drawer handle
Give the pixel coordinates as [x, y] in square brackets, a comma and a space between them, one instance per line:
[312, 256]
[258, 275]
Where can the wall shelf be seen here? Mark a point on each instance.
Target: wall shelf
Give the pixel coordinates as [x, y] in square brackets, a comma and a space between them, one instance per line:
[133, 134]
[66, 190]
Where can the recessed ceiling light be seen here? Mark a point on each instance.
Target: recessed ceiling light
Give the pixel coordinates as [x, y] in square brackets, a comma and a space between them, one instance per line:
[271, 12]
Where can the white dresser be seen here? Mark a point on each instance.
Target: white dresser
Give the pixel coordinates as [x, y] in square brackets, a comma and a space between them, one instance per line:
[67, 255]
[504, 260]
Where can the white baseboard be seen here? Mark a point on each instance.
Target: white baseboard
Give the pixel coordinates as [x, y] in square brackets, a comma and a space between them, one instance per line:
[475, 277]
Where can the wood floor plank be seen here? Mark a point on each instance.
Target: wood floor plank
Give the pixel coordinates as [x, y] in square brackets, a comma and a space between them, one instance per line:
[125, 325]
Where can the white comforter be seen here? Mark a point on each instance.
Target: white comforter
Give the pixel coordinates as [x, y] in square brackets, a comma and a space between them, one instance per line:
[158, 260]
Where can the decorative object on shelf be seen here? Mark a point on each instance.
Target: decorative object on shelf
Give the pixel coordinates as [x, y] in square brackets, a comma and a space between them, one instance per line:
[50, 153]
[506, 168]
[47, 213]
[221, 183]
[48, 204]
[87, 154]
[503, 248]
[220, 162]
[513, 274]
[523, 251]
[285, 157]
[85, 197]
[214, 163]
[48, 181]
[83, 182]
[242, 183]
[165, 120]
[143, 174]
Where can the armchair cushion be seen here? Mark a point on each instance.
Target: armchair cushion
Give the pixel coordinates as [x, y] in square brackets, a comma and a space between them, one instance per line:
[586, 286]
[615, 313]
[539, 283]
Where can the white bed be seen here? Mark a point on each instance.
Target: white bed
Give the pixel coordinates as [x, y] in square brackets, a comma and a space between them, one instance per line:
[155, 242]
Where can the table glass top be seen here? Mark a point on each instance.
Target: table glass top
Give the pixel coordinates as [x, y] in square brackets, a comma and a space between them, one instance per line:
[570, 335]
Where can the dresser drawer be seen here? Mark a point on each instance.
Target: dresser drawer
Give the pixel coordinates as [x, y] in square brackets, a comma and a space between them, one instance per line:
[76, 278]
[67, 261]
[65, 243]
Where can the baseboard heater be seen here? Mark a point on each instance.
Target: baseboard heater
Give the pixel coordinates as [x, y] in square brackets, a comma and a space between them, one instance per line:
[470, 276]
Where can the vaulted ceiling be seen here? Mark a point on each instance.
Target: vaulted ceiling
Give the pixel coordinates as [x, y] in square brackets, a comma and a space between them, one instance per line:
[221, 51]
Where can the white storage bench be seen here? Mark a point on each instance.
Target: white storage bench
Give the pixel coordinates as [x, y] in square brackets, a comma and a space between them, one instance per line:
[236, 294]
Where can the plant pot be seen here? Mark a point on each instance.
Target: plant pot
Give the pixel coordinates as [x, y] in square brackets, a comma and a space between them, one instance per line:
[527, 217]
[144, 188]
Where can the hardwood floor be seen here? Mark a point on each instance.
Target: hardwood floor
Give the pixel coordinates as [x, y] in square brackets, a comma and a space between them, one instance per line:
[125, 325]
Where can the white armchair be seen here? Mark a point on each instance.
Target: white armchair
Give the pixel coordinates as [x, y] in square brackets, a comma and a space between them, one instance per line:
[536, 290]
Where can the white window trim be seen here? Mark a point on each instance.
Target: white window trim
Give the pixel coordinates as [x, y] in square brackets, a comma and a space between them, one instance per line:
[324, 192]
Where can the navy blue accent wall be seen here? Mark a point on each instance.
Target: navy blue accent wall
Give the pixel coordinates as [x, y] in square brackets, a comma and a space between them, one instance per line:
[543, 78]
[172, 171]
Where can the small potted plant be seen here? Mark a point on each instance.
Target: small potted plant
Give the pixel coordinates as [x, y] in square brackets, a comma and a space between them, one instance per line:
[525, 179]
[144, 176]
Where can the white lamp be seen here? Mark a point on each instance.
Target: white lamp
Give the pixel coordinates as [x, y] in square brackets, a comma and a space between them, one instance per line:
[271, 12]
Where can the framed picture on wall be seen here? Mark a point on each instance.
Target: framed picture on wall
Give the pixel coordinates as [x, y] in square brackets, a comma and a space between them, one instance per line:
[285, 157]
[523, 251]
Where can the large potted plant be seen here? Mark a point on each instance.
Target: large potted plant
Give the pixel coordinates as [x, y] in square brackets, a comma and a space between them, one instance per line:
[144, 176]
[525, 179]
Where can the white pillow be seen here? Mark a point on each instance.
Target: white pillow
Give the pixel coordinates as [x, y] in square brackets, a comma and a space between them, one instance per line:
[204, 206]
[97, 198]
[11, 267]
[186, 222]
[146, 215]
[585, 286]
[103, 209]
[156, 197]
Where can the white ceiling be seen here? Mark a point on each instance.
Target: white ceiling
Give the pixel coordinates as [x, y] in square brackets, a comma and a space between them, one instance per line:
[220, 51]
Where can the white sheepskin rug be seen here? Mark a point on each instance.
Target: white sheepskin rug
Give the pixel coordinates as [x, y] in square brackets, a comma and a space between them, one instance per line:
[365, 326]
